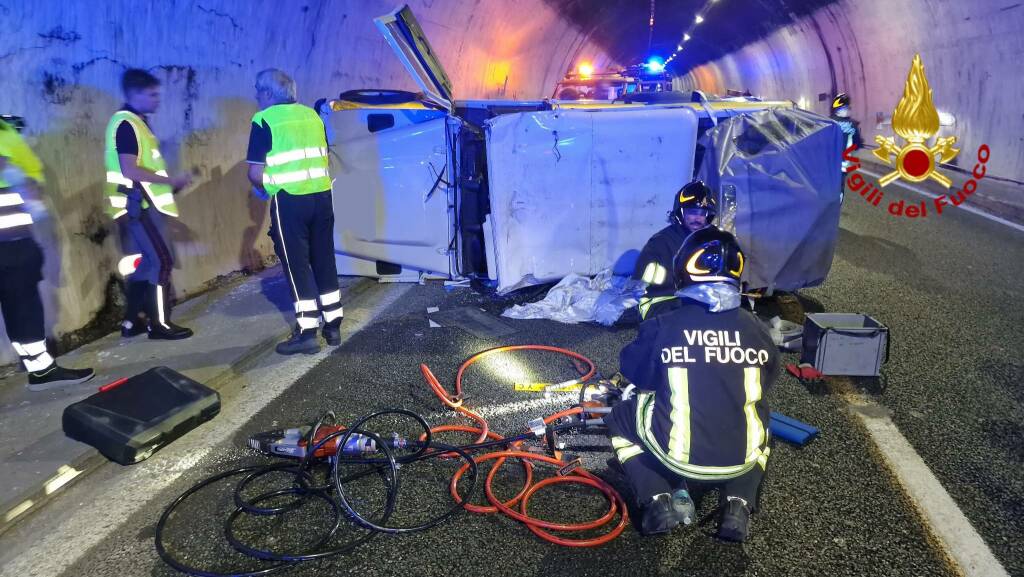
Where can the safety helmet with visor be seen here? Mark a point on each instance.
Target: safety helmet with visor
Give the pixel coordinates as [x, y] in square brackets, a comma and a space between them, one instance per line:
[708, 255]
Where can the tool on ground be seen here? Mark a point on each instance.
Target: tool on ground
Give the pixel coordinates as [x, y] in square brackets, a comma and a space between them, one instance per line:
[567, 386]
[805, 372]
[129, 419]
[791, 430]
[355, 452]
[295, 442]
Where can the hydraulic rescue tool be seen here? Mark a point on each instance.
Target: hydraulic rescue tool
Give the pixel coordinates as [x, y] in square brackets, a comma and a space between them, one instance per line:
[295, 442]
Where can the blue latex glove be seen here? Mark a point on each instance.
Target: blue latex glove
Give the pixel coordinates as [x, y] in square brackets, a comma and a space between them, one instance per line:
[260, 193]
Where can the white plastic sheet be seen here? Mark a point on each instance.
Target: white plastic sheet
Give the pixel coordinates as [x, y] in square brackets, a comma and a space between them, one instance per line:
[578, 299]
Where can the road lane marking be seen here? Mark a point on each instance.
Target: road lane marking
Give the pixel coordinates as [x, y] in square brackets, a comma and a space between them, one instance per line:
[960, 541]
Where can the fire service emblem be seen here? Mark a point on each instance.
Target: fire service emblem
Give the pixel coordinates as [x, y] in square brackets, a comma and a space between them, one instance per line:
[915, 120]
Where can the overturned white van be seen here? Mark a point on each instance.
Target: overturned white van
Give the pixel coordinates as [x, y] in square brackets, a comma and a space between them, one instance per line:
[525, 192]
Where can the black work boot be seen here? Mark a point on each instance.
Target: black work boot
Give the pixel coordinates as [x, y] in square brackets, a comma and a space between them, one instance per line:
[332, 333]
[57, 376]
[658, 515]
[160, 325]
[301, 341]
[735, 523]
[168, 332]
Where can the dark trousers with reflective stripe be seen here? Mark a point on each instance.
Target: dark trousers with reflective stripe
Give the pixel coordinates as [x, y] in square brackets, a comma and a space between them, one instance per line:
[21, 269]
[648, 476]
[302, 228]
[144, 231]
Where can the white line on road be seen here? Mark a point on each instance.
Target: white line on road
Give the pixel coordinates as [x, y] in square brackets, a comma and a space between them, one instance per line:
[87, 523]
[963, 206]
[947, 522]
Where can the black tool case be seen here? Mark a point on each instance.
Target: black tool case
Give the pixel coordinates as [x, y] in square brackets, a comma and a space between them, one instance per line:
[129, 421]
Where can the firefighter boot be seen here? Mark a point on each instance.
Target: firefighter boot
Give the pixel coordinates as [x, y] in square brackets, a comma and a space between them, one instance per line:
[658, 515]
[332, 333]
[735, 523]
[300, 341]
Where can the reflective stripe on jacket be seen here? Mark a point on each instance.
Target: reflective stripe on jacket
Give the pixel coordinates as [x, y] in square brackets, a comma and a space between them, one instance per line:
[159, 196]
[297, 162]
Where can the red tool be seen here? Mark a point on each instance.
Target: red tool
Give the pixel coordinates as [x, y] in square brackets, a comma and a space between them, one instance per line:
[293, 442]
[805, 372]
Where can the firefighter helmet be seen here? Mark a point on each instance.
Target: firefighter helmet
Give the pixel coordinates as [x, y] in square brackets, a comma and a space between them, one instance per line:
[841, 100]
[695, 195]
[708, 255]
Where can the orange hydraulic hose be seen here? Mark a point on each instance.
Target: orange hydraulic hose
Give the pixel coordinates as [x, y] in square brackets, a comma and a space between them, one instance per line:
[495, 350]
[453, 486]
[617, 506]
[455, 404]
[538, 526]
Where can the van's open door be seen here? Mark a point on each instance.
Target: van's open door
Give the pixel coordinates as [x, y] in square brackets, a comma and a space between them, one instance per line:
[406, 38]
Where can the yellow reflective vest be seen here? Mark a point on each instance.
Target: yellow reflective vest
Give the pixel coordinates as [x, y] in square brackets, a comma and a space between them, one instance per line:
[159, 196]
[15, 220]
[18, 153]
[297, 161]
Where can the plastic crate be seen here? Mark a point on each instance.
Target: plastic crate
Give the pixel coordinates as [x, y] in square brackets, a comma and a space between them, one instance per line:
[845, 344]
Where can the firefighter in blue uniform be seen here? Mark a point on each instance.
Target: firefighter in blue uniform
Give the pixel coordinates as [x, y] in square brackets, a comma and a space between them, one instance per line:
[701, 372]
[851, 128]
[693, 208]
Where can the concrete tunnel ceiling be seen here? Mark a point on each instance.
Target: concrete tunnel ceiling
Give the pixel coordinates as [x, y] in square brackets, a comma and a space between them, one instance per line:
[807, 50]
[622, 26]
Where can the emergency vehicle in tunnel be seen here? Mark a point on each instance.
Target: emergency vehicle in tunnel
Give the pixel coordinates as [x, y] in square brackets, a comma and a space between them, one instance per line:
[528, 191]
[586, 84]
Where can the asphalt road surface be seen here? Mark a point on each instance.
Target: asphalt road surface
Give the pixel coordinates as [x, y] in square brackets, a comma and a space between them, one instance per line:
[945, 285]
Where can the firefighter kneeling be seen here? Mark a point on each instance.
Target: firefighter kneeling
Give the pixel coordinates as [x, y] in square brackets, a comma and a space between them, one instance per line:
[699, 417]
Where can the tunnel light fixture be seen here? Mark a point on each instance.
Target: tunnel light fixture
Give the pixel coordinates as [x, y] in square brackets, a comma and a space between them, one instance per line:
[698, 19]
[679, 46]
[686, 37]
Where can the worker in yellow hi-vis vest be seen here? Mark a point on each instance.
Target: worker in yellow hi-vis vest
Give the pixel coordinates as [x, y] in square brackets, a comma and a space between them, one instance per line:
[288, 163]
[140, 196]
[21, 263]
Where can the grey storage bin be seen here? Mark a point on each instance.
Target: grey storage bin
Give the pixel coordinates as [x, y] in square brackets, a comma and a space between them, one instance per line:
[845, 344]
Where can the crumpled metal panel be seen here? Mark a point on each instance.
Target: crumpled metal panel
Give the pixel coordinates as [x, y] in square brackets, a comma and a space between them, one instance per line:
[578, 191]
[778, 176]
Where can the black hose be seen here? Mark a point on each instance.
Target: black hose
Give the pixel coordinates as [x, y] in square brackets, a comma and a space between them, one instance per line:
[303, 487]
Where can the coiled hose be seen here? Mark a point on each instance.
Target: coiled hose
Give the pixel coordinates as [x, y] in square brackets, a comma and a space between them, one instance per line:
[333, 493]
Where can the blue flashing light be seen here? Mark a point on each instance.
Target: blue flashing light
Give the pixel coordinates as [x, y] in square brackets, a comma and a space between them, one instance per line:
[654, 64]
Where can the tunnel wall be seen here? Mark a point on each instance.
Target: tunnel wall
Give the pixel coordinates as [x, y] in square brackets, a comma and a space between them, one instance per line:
[61, 63]
[973, 54]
